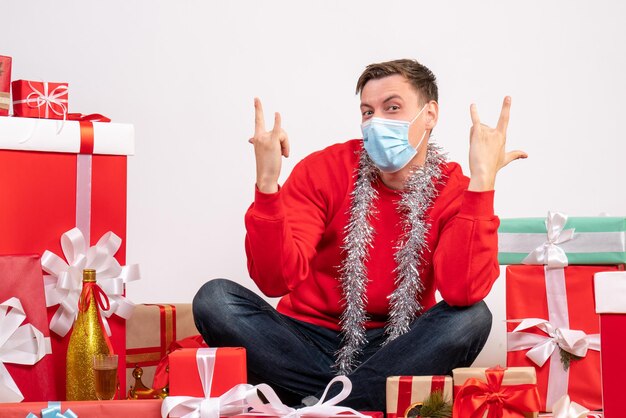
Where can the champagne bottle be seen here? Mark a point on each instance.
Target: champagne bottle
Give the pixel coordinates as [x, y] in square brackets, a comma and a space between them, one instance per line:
[88, 338]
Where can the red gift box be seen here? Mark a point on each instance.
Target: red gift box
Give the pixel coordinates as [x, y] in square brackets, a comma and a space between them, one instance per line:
[404, 391]
[152, 332]
[39, 99]
[149, 408]
[21, 277]
[5, 84]
[610, 292]
[229, 369]
[45, 202]
[495, 392]
[564, 298]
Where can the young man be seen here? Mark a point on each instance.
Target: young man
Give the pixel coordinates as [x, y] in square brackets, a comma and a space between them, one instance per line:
[356, 242]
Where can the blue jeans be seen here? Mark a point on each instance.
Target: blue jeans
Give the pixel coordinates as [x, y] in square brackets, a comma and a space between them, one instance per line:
[296, 358]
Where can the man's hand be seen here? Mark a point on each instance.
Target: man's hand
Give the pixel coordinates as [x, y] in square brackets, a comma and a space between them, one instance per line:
[487, 149]
[269, 146]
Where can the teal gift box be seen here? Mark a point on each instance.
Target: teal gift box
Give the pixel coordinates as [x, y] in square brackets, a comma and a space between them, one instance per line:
[576, 240]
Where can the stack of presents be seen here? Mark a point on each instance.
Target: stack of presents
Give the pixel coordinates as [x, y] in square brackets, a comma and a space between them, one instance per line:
[63, 184]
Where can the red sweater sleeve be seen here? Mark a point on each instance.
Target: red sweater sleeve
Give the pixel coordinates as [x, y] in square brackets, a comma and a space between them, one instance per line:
[282, 232]
[465, 261]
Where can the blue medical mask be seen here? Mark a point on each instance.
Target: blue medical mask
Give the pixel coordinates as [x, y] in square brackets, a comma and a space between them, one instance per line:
[387, 142]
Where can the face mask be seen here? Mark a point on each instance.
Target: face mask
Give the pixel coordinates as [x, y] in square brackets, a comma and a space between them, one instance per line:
[387, 142]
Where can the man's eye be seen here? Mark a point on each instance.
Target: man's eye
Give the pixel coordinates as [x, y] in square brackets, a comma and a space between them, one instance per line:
[393, 107]
[367, 113]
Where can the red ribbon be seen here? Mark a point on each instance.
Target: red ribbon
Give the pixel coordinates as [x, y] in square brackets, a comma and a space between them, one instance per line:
[512, 401]
[94, 293]
[93, 117]
[437, 384]
[86, 129]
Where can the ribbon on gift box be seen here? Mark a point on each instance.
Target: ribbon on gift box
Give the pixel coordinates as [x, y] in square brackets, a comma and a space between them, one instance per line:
[53, 410]
[477, 398]
[323, 408]
[243, 396]
[51, 101]
[4, 100]
[564, 408]
[541, 347]
[19, 344]
[63, 284]
[549, 253]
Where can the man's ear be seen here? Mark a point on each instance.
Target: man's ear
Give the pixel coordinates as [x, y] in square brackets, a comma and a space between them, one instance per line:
[432, 114]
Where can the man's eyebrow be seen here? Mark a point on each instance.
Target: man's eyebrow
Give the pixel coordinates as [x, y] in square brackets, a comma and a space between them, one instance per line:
[392, 97]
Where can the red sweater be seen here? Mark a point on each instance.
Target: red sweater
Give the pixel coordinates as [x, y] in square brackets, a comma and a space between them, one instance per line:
[294, 239]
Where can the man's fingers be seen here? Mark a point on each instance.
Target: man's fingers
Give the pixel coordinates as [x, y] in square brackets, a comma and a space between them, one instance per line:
[284, 145]
[513, 155]
[503, 122]
[474, 114]
[277, 123]
[259, 119]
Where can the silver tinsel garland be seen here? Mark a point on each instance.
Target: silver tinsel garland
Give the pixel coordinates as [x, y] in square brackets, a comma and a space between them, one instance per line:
[418, 195]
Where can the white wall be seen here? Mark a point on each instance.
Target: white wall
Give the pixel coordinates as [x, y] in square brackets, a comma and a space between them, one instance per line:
[185, 73]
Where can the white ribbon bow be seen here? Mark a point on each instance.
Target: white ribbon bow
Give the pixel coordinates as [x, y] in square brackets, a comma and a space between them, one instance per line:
[64, 283]
[541, 347]
[564, 408]
[19, 344]
[549, 253]
[230, 403]
[320, 410]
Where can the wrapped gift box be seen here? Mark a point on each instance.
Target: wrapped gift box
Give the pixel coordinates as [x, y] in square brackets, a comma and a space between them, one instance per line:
[5, 84]
[53, 190]
[517, 390]
[595, 240]
[150, 333]
[88, 409]
[564, 298]
[40, 99]
[21, 277]
[228, 366]
[404, 391]
[610, 292]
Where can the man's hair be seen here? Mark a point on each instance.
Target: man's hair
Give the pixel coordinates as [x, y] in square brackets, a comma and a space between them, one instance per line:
[421, 78]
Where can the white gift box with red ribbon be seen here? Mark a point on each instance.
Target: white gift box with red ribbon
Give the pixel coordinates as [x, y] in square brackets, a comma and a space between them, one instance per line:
[28, 134]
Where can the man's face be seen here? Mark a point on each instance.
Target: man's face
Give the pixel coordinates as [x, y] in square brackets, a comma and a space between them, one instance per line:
[393, 97]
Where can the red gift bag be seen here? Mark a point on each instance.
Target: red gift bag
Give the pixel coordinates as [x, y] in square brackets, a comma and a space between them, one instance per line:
[20, 276]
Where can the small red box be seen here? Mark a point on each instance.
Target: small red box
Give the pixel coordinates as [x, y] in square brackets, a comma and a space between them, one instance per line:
[230, 370]
[40, 99]
[5, 84]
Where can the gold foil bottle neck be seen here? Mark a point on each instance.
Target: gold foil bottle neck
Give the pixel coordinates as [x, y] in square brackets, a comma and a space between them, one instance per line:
[89, 276]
